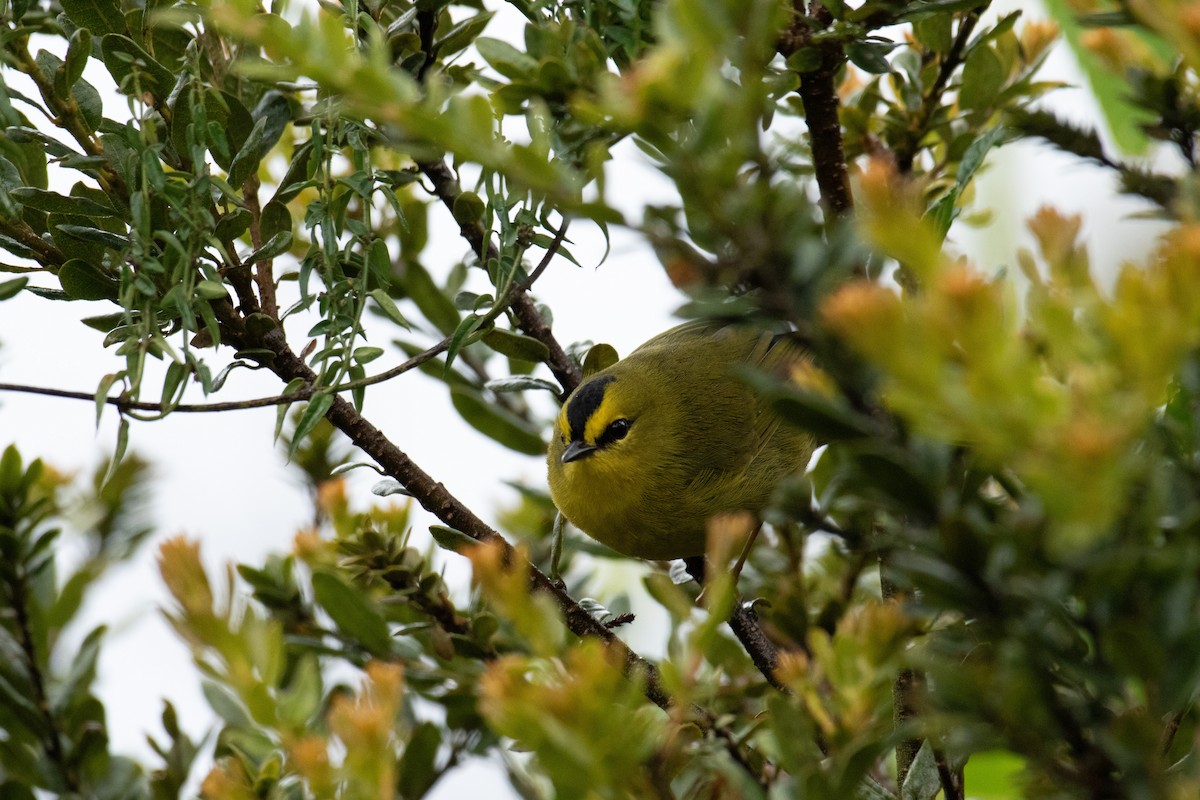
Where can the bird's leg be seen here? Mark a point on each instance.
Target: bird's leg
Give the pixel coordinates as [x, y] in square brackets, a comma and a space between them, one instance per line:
[741, 562]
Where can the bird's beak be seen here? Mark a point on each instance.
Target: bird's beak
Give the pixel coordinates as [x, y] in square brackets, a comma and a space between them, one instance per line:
[577, 450]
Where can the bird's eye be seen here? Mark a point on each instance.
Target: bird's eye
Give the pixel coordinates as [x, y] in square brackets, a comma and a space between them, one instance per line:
[616, 430]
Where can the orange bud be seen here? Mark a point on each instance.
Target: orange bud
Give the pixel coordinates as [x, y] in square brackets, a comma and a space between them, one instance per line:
[181, 569]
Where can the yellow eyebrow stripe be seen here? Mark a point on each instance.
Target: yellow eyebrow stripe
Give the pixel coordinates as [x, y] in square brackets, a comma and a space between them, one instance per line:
[599, 420]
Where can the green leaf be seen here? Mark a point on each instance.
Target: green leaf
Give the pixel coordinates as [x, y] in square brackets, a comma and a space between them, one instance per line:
[274, 110]
[10, 789]
[356, 373]
[870, 789]
[277, 245]
[79, 50]
[459, 38]
[301, 700]
[1125, 119]
[104, 322]
[451, 539]
[935, 32]
[945, 210]
[365, 355]
[11, 180]
[226, 705]
[297, 175]
[98, 16]
[459, 338]
[86, 233]
[982, 79]
[496, 422]
[48, 294]
[387, 306]
[176, 374]
[314, 412]
[84, 281]
[870, 56]
[245, 163]
[63, 204]
[281, 411]
[468, 208]
[930, 9]
[516, 345]
[353, 613]
[521, 383]
[600, 356]
[102, 392]
[275, 219]
[506, 59]
[668, 595]
[418, 769]
[133, 69]
[20, 709]
[379, 263]
[233, 224]
[805, 59]
[70, 598]
[118, 451]
[994, 775]
[922, 781]
[431, 300]
[91, 106]
[82, 672]
[228, 127]
[12, 287]
[211, 290]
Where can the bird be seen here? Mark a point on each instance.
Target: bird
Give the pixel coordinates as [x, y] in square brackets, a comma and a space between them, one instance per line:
[648, 449]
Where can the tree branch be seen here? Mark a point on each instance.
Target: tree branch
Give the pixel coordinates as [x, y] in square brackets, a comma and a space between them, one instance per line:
[929, 103]
[305, 392]
[435, 498]
[67, 115]
[743, 621]
[447, 189]
[818, 90]
[264, 278]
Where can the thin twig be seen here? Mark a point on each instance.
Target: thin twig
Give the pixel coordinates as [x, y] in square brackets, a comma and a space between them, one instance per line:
[305, 392]
[906, 687]
[743, 621]
[951, 781]
[950, 62]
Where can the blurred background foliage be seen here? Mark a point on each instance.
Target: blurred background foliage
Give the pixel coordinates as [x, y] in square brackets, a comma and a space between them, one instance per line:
[987, 583]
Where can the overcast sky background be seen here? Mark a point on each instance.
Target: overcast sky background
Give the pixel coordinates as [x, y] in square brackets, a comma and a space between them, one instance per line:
[219, 477]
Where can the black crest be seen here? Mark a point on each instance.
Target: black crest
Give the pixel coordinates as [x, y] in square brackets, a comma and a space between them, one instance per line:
[584, 402]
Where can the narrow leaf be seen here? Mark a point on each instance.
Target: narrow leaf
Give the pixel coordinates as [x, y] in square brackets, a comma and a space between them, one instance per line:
[353, 613]
[450, 539]
[314, 412]
[12, 288]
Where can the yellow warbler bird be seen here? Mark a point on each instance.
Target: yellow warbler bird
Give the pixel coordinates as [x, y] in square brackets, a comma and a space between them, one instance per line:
[647, 450]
